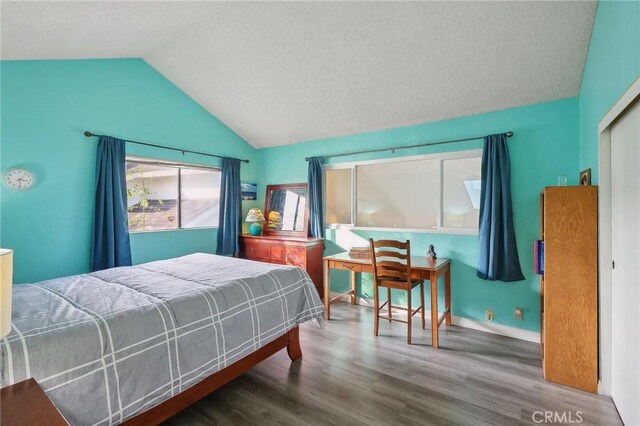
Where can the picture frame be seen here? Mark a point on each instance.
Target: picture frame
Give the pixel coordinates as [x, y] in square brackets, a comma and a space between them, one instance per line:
[249, 191]
[585, 177]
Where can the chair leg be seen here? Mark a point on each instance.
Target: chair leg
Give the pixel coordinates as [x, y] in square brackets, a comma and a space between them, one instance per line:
[409, 316]
[376, 310]
[422, 304]
[389, 303]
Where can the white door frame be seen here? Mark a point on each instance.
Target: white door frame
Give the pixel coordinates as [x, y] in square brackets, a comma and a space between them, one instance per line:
[604, 233]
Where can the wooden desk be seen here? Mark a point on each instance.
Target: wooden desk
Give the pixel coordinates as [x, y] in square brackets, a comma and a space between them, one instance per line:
[421, 268]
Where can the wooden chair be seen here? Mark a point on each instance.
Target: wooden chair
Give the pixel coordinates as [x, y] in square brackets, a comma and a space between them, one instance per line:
[391, 262]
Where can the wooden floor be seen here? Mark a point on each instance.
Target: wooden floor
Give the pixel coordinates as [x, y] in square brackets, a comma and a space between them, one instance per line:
[348, 377]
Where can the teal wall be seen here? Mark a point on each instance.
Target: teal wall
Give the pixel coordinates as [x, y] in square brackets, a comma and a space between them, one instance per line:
[612, 65]
[45, 106]
[545, 145]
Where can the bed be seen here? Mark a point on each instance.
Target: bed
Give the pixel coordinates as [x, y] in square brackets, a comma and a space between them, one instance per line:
[139, 343]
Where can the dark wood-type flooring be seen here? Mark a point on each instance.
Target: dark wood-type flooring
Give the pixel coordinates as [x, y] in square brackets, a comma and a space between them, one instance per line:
[348, 377]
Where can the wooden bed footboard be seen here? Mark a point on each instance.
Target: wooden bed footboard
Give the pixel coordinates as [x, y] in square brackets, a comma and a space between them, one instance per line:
[179, 402]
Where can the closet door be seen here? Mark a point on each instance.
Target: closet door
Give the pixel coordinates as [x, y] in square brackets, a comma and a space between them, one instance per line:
[625, 288]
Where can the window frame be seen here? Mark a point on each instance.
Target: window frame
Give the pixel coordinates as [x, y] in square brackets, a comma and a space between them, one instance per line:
[439, 157]
[178, 165]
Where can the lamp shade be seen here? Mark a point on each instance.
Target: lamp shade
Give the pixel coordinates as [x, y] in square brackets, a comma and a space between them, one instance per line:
[6, 283]
[255, 215]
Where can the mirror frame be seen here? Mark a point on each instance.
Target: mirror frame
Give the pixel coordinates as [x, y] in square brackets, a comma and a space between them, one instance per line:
[267, 202]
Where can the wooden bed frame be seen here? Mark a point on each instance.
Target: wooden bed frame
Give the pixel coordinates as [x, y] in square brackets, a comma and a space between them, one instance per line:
[179, 402]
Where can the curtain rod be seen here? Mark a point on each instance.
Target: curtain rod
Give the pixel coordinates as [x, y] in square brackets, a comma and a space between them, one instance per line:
[508, 134]
[89, 134]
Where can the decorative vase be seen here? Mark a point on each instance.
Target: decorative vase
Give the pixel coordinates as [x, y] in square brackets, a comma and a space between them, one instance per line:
[255, 229]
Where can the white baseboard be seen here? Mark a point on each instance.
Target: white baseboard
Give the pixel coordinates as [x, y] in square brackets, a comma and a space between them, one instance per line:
[488, 327]
[503, 330]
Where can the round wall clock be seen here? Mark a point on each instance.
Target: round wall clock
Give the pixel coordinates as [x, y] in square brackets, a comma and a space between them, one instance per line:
[19, 179]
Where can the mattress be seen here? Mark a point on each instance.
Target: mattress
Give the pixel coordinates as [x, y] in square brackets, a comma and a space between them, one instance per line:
[108, 345]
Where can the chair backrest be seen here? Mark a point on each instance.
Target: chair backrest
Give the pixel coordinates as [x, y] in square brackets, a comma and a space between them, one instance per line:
[391, 260]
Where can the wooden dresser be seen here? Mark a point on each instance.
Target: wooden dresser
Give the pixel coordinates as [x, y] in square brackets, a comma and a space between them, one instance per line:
[569, 286]
[297, 251]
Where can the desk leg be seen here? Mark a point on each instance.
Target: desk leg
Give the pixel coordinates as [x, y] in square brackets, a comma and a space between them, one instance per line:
[353, 287]
[447, 295]
[422, 304]
[327, 296]
[434, 309]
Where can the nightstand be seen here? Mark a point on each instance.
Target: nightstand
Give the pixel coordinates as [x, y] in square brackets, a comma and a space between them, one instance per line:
[25, 403]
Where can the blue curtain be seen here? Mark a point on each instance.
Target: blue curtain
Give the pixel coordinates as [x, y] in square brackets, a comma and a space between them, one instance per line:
[316, 219]
[498, 251]
[110, 243]
[230, 222]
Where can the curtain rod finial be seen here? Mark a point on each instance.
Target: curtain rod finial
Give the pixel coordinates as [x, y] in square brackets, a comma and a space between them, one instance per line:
[88, 133]
[509, 134]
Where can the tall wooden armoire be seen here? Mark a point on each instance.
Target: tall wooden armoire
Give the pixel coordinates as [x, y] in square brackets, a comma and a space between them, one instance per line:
[569, 286]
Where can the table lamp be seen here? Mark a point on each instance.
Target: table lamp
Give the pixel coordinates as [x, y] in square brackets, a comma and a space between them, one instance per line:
[6, 282]
[255, 218]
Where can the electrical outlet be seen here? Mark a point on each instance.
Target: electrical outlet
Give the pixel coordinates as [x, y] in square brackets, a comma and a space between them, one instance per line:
[488, 314]
[517, 313]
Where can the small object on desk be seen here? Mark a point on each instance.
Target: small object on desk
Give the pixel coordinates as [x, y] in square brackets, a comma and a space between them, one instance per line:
[360, 252]
[255, 218]
[431, 254]
[25, 403]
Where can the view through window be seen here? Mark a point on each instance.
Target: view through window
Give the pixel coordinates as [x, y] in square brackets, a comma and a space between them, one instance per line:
[168, 196]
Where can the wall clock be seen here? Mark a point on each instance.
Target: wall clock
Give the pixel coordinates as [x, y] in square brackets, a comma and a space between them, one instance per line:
[19, 179]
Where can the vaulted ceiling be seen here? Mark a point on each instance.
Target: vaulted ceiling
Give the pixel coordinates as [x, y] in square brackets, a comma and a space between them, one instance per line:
[284, 72]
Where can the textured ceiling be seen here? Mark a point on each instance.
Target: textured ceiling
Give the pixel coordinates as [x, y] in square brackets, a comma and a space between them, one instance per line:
[279, 73]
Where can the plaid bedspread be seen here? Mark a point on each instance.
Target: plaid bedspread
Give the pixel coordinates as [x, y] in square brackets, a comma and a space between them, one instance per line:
[109, 345]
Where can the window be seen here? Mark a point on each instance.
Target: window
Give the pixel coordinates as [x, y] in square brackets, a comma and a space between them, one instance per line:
[199, 198]
[439, 193]
[165, 196]
[461, 192]
[338, 195]
[397, 195]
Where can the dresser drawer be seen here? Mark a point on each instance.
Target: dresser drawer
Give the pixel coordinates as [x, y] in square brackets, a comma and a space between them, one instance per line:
[257, 251]
[345, 265]
[296, 256]
[278, 252]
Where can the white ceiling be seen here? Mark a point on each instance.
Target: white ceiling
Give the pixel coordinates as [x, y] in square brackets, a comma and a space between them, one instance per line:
[278, 73]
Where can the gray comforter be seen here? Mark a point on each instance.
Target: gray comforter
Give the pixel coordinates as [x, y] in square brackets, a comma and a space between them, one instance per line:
[108, 345]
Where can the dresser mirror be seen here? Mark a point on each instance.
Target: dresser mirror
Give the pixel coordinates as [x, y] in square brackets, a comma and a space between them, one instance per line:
[287, 210]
